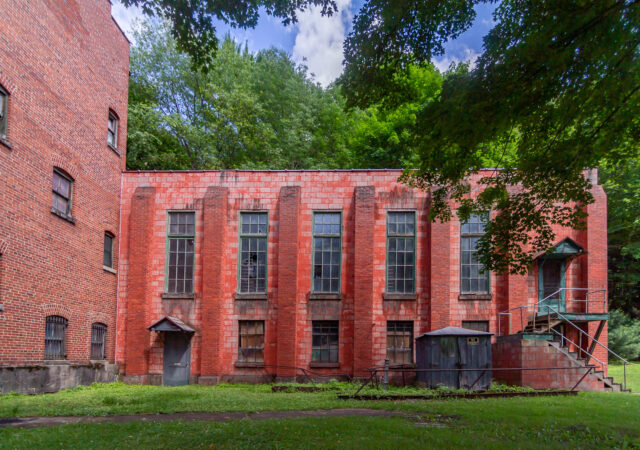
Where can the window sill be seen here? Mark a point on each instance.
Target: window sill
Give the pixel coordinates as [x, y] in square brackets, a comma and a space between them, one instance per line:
[6, 143]
[69, 219]
[390, 296]
[324, 365]
[171, 296]
[472, 297]
[324, 296]
[248, 365]
[113, 149]
[250, 296]
[109, 269]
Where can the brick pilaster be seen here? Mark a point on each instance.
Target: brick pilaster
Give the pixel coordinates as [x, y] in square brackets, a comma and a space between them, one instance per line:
[363, 279]
[288, 229]
[440, 267]
[139, 281]
[215, 207]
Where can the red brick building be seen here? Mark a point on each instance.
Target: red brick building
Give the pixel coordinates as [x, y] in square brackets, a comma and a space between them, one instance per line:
[64, 70]
[265, 273]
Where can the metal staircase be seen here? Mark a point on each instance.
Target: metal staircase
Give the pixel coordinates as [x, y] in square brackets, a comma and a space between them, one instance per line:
[551, 318]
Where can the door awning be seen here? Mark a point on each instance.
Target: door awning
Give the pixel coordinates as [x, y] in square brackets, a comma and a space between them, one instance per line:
[564, 249]
[169, 323]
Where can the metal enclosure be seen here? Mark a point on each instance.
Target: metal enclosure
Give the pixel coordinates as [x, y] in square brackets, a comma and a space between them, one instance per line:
[455, 348]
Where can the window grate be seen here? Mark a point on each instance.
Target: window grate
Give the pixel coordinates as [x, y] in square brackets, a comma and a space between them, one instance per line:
[181, 255]
[55, 337]
[324, 348]
[326, 252]
[400, 342]
[253, 252]
[473, 278]
[251, 342]
[401, 239]
[98, 340]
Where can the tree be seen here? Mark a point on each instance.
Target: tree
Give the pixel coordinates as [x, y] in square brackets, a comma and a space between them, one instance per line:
[247, 111]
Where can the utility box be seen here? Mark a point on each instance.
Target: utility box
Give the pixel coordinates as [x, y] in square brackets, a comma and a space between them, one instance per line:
[455, 348]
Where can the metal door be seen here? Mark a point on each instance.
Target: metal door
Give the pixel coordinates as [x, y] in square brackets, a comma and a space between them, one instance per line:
[551, 279]
[177, 358]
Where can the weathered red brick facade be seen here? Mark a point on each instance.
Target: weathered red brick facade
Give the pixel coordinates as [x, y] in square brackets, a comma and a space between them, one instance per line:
[64, 65]
[364, 198]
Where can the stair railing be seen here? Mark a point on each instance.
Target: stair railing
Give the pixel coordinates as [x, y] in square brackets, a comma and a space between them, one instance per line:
[593, 339]
[564, 338]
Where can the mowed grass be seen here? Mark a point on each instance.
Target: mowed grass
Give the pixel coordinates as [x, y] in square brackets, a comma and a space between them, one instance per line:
[585, 421]
[633, 375]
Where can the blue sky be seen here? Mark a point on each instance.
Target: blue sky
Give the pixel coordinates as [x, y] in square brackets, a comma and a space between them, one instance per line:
[316, 41]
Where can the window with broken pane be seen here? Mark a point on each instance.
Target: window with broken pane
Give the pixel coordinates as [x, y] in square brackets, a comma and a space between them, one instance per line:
[251, 342]
[473, 278]
[181, 252]
[401, 239]
[327, 253]
[324, 347]
[253, 252]
[400, 342]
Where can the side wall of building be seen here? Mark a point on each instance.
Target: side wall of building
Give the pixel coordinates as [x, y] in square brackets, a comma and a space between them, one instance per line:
[65, 65]
[290, 198]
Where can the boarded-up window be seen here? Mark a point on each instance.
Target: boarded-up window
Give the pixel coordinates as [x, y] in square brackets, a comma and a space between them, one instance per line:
[251, 342]
[253, 252]
[326, 252]
[55, 337]
[98, 340]
[473, 277]
[401, 237]
[325, 341]
[181, 242]
[477, 325]
[400, 342]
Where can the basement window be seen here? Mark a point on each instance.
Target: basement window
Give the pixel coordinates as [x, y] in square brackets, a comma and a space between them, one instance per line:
[477, 325]
[400, 342]
[98, 340]
[251, 342]
[55, 337]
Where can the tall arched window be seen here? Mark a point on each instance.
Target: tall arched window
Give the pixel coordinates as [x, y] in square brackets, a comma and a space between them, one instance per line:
[55, 338]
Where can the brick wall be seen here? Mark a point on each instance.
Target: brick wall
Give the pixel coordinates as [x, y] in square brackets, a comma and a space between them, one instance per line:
[290, 198]
[64, 64]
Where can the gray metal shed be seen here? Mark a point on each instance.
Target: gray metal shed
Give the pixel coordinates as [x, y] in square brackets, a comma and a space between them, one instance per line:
[455, 348]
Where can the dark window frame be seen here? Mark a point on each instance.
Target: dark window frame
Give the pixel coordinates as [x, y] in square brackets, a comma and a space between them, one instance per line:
[178, 243]
[247, 353]
[393, 250]
[112, 142]
[58, 195]
[107, 261]
[55, 337]
[98, 350]
[4, 112]
[470, 232]
[468, 324]
[321, 234]
[253, 240]
[325, 340]
[397, 331]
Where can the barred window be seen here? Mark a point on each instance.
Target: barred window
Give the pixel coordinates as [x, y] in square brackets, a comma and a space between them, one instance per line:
[477, 325]
[181, 243]
[400, 342]
[251, 342]
[4, 107]
[473, 277]
[401, 237]
[326, 252]
[324, 348]
[62, 193]
[253, 252]
[107, 259]
[55, 337]
[112, 130]
[98, 340]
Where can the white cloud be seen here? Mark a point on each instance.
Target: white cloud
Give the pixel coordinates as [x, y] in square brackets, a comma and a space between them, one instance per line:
[319, 41]
[126, 17]
[460, 54]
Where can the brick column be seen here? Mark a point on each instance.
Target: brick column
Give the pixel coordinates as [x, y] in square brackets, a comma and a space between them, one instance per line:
[215, 206]
[288, 229]
[518, 295]
[139, 282]
[440, 267]
[364, 197]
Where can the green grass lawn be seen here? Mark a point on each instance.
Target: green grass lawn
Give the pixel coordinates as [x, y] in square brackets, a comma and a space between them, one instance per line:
[633, 375]
[588, 420]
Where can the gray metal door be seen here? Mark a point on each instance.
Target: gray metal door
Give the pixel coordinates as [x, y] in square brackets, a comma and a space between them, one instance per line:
[177, 358]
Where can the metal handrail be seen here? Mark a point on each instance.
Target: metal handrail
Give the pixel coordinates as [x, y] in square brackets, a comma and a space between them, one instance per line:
[564, 338]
